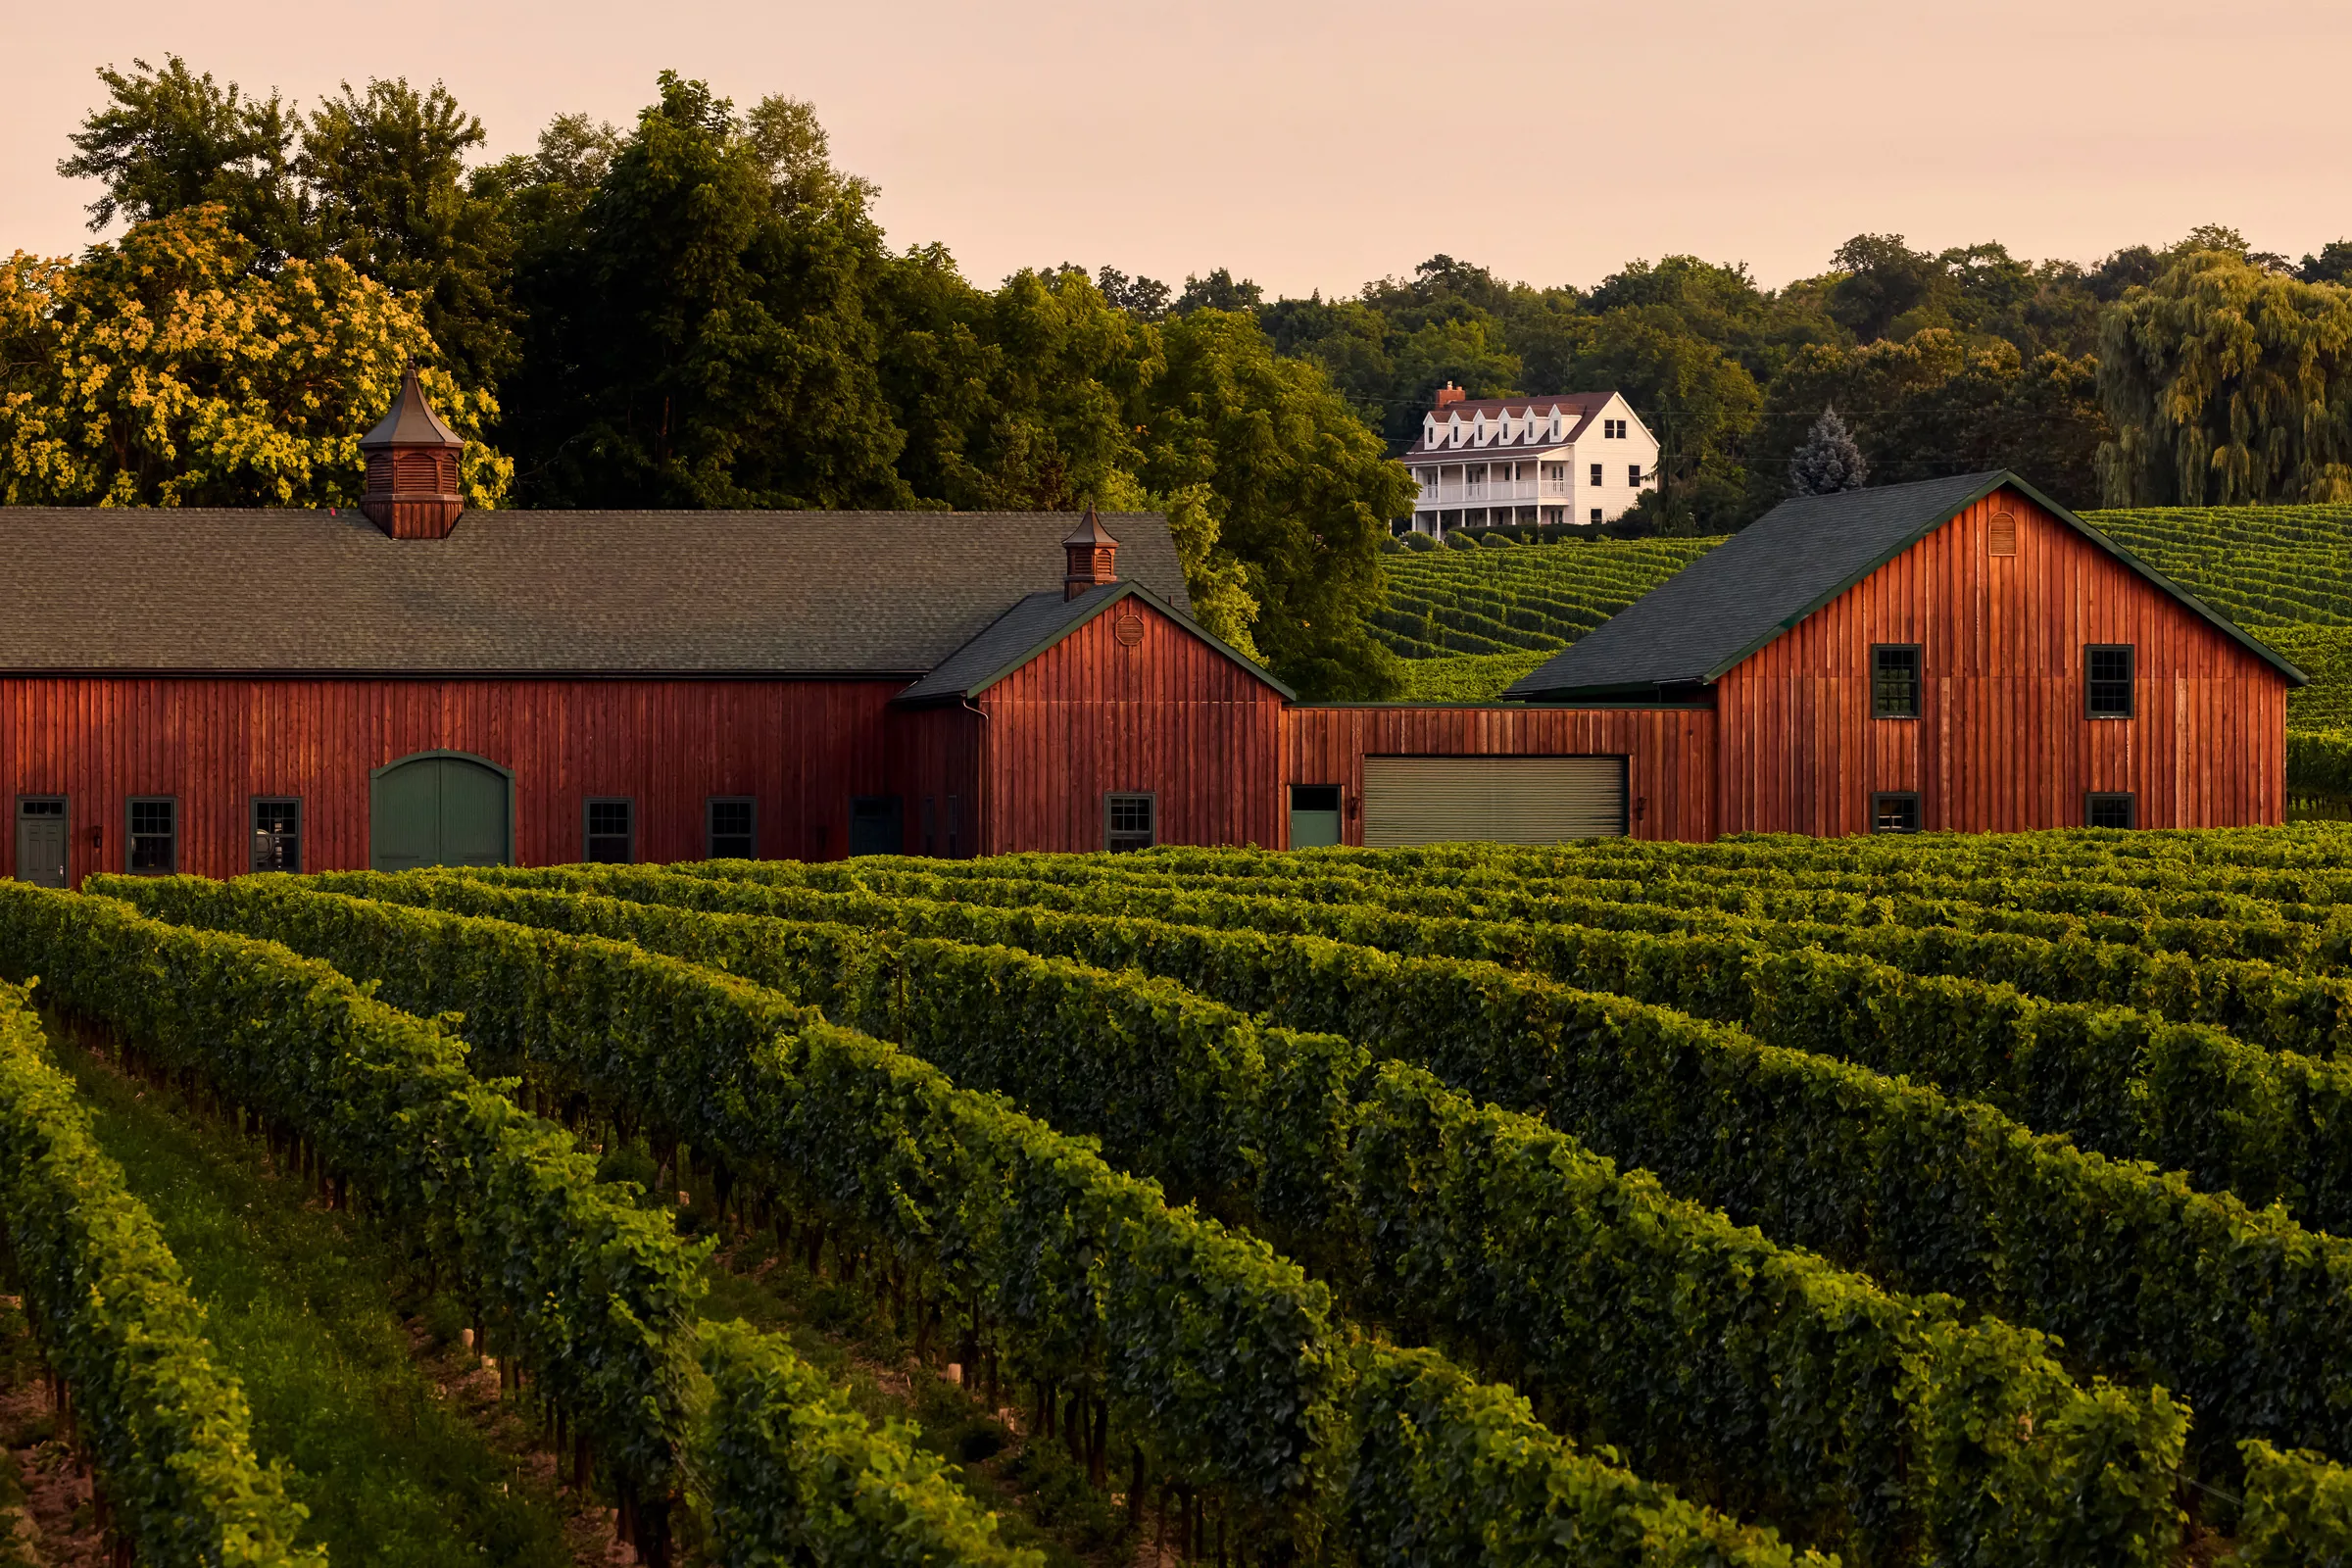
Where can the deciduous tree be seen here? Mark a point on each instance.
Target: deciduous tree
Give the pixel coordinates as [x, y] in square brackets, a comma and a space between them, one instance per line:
[168, 139]
[709, 341]
[166, 370]
[386, 175]
[1300, 491]
[1942, 402]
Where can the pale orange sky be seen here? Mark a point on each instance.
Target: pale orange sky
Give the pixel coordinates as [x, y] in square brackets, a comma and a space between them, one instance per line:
[1319, 145]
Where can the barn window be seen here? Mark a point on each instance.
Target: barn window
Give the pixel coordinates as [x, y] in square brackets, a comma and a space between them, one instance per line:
[1894, 814]
[2000, 538]
[2111, 811]
[277, 834]
[153, 836]
[1894, 681]
[1130, 821]
[730, 828]
[2107, 683]
[611, 832]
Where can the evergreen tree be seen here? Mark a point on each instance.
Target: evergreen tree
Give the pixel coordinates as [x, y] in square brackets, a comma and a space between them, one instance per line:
[1829, 461]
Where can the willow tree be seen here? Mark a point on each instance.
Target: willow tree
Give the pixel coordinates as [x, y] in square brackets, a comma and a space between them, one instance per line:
[2228, 386]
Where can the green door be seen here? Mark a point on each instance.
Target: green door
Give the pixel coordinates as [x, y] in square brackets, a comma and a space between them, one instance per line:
[41, 840]
[1314, 815]
[438, 810]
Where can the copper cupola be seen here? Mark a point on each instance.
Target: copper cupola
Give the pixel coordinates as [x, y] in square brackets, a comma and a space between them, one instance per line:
[413, 490]
[1091, 553]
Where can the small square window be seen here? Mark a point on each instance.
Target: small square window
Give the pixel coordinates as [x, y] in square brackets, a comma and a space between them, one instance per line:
[1597, 481]
[1894, 681]
[1894, 814]
[730, 830]
[277, 834]
[1130, 821]
[1596, 515]
[154, 849]
[2111, 811]
[611, 832]
[2107, 682]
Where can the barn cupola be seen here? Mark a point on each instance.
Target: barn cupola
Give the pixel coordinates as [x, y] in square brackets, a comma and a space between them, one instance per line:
[413, 469]
[1091, 553]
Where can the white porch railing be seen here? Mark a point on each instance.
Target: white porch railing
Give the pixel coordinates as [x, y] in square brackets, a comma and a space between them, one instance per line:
[1480, 492]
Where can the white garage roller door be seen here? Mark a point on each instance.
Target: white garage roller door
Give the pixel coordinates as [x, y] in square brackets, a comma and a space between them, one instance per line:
[1505, 800]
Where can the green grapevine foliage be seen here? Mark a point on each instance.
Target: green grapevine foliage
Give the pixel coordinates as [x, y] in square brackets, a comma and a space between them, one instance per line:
[164, 1426]
[590, 1292]
[1477, 1226]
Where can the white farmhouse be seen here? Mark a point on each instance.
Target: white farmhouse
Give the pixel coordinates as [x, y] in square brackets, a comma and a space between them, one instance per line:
[1494, 462]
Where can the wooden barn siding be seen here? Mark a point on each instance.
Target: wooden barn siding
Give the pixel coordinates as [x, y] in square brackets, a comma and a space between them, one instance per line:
[1669, 751]
[1170, 716]
[801, 748]
[2002, 743]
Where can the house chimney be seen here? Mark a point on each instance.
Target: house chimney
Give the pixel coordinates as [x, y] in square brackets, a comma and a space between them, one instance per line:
[1090, 551]
[1449, 393]
[413, 469]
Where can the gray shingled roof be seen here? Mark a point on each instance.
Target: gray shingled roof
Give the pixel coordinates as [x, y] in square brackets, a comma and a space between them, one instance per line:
[1772, 574]
[1037, 623]
[814, 593]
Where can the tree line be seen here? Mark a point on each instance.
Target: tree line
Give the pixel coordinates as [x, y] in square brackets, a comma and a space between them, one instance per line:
[701, 310]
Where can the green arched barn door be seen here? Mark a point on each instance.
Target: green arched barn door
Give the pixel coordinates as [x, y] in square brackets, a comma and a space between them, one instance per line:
[440, 809]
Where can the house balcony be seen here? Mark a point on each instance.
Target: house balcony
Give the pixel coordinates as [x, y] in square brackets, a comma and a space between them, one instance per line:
[1487, 492]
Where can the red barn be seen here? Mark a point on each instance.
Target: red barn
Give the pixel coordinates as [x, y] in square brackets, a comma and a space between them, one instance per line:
[1960, 653]
[222, 691]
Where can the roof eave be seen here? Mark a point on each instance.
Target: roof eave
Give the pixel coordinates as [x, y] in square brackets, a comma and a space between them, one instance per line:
[1641, 692]
[1126, 590]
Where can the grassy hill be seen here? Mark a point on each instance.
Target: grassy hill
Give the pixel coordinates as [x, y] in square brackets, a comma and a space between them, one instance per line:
[1468, 622]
